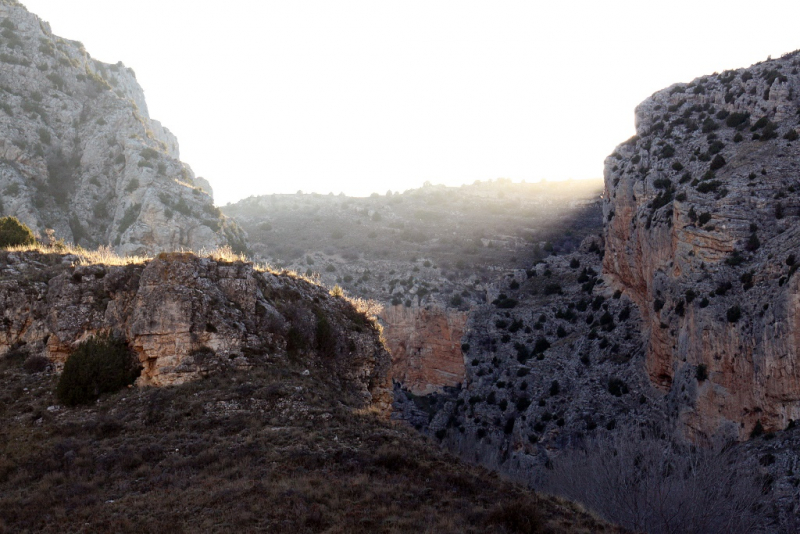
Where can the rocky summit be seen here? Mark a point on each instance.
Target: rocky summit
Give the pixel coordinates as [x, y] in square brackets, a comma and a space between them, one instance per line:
[701, 212]
[80, 155]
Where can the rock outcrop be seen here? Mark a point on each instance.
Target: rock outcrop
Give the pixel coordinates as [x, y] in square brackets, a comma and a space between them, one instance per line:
[80, 154]
[701, 210]
[188, 316]
[425, 344]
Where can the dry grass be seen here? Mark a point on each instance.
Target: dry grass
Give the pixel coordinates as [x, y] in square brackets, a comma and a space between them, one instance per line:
[270, 450]
[103, 255]
[106, 256]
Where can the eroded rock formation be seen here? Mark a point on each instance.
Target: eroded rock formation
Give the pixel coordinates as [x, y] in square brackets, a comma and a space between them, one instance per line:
[187, 316]
[425, 344]
[701, 210]
[80, 154]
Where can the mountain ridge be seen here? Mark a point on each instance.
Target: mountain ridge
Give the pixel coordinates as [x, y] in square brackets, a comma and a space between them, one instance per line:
[79, 153]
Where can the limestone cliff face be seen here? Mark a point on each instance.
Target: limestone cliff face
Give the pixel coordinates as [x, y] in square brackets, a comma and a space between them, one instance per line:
[701, 210]
[425, 344]
[187, 316]
[80, 154]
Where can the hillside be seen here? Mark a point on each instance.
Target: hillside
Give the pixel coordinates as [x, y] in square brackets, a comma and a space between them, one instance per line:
[428, 255]
[263, 434]
[79, 153]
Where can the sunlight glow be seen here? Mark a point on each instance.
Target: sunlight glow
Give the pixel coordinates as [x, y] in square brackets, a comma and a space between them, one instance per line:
[364, 96]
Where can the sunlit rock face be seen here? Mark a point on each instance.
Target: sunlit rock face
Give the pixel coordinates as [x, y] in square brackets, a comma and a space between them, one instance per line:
[425, 344]
[187, 317]
[701, 211]
[80, 154]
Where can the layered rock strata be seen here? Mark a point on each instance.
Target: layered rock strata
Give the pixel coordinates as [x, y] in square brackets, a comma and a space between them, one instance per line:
[187, 316]
[425, 344]
[701, 210]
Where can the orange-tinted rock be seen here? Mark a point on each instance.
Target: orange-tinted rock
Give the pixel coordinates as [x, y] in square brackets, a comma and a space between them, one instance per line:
[701, 217]
[425, 344]
[187, 317]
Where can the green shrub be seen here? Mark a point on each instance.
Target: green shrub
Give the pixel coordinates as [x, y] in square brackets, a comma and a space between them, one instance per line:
[753, 243]
[325, 337]
[503, 302]
[760, 123]
[709, 186]
[734, 314]
[758, 430]
[770, 132]
[14, 233]
[737, 119]
[718, 162]
[709, 125]
[552, 289]
[44, 136]
[735, 259]
[101, 364]
[662, 183]
[617, 387]
[701, 372]
[541, 345]
[133, 185]
[715, 147]
[129, 217]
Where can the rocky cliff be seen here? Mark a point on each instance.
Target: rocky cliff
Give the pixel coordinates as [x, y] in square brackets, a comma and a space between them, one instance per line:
[425, 344]
[80, 154]
[701, 210]
[187, 317]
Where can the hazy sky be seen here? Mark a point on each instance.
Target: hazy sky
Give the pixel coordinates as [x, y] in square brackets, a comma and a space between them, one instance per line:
[365, 96]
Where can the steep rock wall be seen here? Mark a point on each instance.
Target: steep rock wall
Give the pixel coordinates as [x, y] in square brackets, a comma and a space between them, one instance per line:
[701, 210]
[425, 344]
[79, 153]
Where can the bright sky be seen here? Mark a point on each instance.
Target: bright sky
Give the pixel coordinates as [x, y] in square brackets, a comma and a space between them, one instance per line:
[273, 96]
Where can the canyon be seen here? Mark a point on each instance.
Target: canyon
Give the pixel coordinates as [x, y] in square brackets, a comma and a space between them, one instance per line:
[522, 326]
